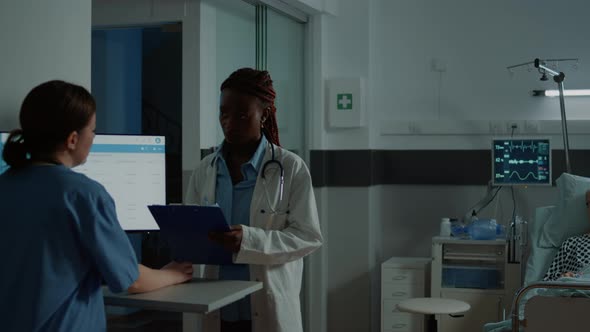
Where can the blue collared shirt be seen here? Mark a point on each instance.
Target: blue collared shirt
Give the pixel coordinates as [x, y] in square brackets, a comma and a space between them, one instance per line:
[234, 201]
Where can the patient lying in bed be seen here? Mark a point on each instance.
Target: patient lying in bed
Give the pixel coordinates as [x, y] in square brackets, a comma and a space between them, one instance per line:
[571, 264]
[573, 255]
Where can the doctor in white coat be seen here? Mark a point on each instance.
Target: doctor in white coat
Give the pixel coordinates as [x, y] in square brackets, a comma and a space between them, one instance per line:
[266, 193]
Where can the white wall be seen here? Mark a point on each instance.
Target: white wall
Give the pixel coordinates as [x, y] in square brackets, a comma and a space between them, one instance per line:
[286, 65]
[475, 42]
[345, 53]
[227, 43]
[41, 40]
[392, 44]
[348, 264]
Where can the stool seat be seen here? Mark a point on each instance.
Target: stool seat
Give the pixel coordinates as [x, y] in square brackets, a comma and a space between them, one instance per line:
[433, 306]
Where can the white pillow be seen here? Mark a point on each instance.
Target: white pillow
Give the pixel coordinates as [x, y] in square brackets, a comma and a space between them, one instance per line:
[539, 258]
[570, 217]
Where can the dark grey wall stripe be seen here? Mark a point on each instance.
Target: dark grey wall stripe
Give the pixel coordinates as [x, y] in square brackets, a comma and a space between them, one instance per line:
[352, 167]
[359, 168]
[362, 168]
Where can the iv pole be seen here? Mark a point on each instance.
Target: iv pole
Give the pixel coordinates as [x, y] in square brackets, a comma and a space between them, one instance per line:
[558, 77]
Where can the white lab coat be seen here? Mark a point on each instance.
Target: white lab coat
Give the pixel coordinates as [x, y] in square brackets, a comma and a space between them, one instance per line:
[274, 244]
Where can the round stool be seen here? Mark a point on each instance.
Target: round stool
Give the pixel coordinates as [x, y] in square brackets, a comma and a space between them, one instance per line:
[434, 306]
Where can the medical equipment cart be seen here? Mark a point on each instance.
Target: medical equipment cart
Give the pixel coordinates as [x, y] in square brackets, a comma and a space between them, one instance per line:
[476, 272]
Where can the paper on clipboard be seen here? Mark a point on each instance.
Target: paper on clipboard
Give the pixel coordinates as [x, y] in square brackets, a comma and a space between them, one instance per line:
[186, 227]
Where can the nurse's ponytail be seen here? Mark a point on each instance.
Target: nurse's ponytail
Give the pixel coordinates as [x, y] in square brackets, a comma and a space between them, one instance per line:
[15, 153]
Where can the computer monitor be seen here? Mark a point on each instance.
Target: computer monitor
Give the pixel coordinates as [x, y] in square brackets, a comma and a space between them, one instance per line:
[520, 161]
[3, 165]
[132, 168]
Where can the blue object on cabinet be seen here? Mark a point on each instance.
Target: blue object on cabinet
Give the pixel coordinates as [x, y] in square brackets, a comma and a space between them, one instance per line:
[479, 277]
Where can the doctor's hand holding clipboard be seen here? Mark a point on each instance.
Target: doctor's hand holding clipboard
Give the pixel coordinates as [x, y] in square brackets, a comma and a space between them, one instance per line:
[186, 229]
[231, 241]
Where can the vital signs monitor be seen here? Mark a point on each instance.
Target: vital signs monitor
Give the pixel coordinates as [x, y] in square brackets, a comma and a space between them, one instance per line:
[520, 161]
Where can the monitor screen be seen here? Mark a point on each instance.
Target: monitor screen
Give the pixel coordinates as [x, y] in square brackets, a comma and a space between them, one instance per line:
[3, 138]
[133, 171]
[521, 162]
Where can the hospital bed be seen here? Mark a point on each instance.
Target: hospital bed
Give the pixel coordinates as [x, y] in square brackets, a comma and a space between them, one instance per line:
[552, 306]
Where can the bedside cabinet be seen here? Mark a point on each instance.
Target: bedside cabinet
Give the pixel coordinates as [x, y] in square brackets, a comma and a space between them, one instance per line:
[403, 278]
[476, 272]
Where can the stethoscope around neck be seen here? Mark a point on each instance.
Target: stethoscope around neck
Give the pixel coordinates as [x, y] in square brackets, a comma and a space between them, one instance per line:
[270, 162]
[273, 160]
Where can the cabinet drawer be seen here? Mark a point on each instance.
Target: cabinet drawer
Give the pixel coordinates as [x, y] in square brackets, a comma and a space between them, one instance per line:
[402, 276]
[401, 291]
[390, 306]
[400, 322]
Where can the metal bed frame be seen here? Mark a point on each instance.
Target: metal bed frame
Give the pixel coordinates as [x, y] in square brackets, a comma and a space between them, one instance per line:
[573, 309]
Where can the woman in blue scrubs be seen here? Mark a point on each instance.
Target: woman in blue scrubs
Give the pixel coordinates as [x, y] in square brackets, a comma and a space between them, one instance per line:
[60, 230]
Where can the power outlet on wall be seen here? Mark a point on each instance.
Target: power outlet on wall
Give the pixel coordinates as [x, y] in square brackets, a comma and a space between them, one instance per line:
[513, 127]
[531, 127]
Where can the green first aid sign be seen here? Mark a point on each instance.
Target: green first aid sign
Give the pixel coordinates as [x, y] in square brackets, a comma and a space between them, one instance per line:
[344, 101]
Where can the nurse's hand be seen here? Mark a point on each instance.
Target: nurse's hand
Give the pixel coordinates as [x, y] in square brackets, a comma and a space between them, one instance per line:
[231, 240]
[151, 279]
[181, 272]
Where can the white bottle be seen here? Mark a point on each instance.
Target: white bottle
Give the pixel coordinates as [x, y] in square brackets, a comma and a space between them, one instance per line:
[445, 227]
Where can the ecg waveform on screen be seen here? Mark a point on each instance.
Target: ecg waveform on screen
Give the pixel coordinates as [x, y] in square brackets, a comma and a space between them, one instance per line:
[522, 146]
[523, 178]
[517, 161]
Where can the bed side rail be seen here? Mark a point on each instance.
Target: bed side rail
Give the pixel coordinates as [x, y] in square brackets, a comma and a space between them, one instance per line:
[546, 285]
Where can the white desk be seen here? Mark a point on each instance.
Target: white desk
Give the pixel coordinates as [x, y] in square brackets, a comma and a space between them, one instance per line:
[194, 299]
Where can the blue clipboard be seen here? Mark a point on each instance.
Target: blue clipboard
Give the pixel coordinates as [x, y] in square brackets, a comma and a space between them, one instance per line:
[186, 227]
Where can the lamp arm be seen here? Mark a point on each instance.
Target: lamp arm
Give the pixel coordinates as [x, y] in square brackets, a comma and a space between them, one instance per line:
[541, 65]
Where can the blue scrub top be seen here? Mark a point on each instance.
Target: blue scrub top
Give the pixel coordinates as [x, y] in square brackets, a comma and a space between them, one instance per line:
[60, 237]
[234, 201]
